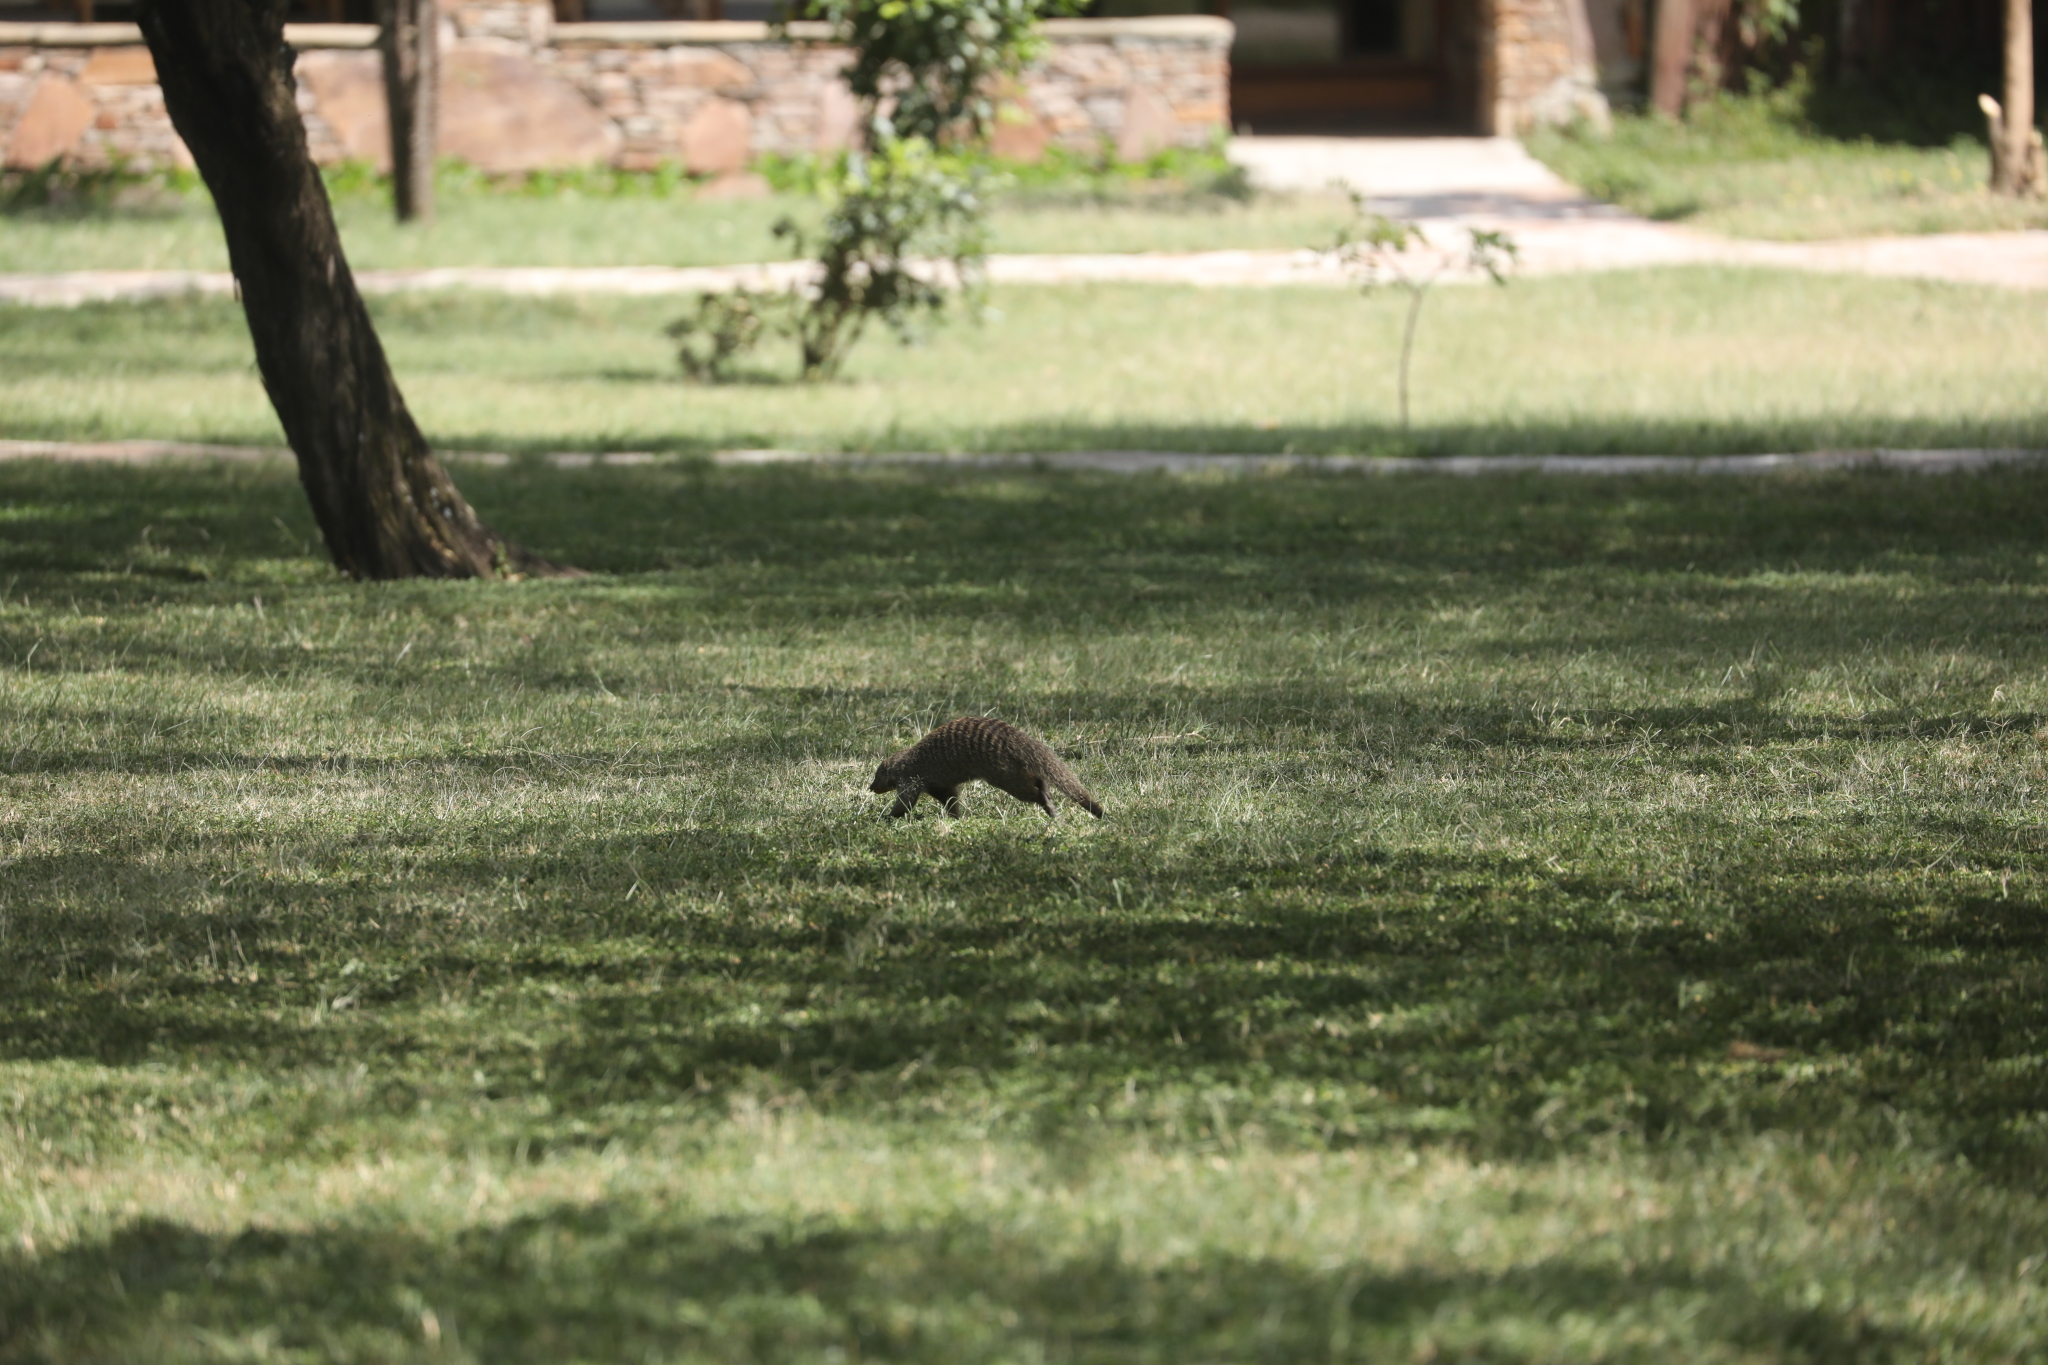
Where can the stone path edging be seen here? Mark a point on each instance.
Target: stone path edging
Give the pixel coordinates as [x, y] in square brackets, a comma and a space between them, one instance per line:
[1134, 461]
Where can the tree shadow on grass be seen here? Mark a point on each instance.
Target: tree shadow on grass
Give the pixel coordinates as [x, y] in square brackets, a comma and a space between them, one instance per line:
[618, 1281]
[1536, 1007]
[750, 376]
[1579, 434]
[658, 963]
[1076, 541]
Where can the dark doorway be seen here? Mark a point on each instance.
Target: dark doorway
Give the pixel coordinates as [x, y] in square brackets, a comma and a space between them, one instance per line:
[1303, 65]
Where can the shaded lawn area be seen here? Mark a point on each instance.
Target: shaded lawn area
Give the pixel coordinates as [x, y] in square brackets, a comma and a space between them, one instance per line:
[1535, 920]
[1687, 361]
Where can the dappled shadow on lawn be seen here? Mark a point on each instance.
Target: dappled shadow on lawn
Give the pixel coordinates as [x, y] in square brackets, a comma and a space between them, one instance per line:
[1377, 728]
[677, 944]
[1484, 999]
[613, 1280]
[895, 539]
[1778, 433]
[1775, 433]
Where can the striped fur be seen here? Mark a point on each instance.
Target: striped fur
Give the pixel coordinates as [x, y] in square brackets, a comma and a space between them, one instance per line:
[972, 747]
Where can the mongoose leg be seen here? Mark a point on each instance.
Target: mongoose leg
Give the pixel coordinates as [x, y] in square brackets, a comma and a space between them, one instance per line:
[949, 798]
[1045, 801]
[906, 797]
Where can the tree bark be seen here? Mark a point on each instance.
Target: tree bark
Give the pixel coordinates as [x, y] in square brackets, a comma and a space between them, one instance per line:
[410, 45]
[384, 504]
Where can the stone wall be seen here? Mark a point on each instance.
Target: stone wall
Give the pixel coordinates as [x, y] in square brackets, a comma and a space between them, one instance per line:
[92, 101]
[520, 92]
[1541, 59]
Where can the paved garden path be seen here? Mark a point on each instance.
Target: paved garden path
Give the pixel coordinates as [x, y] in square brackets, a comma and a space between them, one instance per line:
[1446, 184]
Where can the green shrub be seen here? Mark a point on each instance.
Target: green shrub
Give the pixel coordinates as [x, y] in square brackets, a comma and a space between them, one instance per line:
[908, 221]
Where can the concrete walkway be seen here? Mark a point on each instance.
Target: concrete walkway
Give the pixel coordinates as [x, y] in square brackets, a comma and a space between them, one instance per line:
[1447, 184]
[1417, 177]
[2010, 260]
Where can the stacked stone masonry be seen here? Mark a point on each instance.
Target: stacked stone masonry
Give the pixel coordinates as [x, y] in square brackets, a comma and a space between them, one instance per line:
[84, 105]
[520, 92]
[1538, 77]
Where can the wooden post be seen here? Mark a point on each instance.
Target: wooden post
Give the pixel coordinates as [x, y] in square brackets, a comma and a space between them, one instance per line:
[1671, 56]
[1579, 25]
[2016, 156]
[411, 73]
[1486, 71]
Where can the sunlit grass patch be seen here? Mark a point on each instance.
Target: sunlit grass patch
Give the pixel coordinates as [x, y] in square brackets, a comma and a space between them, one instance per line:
[482, 227]
[1686, 361]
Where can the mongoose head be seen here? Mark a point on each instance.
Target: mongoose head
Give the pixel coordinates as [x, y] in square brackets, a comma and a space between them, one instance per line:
[885, 781]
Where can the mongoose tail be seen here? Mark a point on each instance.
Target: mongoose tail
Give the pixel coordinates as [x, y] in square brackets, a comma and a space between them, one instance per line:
[1063, 778]
[978, 748]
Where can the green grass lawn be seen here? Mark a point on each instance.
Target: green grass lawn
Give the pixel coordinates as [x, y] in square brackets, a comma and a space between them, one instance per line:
[1703, 360]
[1772, 166]
[1536, 920]
[160, 229]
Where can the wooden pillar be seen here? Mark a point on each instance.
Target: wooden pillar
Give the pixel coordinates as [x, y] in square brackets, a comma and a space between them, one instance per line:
[411, 82]
[1671, 56]
[2018, 160]
[1486, 69]
[2016, 156]
[1579, 24]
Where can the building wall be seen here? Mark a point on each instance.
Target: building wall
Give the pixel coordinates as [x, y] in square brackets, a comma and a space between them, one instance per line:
[1621, 43]
[88, 105]
[1542, 59]
[520, 92]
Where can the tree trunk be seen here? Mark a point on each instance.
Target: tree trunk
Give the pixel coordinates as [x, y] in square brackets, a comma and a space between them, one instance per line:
[1671, 56]
[2015, 146]
[410, 45]
[384, 504]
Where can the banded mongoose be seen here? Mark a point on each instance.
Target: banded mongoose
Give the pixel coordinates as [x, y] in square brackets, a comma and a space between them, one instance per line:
[976, 746]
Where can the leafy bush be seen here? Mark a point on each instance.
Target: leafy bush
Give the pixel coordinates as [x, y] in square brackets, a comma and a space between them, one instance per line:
[1173, 177]
[59, 190]
[724, 327]
[932, 63]
[908, 224]
[908, 220]
[907, 228]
